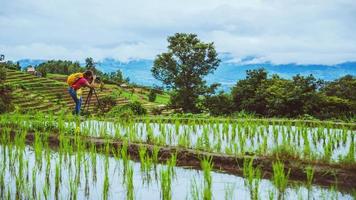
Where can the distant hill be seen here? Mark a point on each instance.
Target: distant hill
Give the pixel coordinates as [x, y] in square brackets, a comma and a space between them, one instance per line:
[228, 72]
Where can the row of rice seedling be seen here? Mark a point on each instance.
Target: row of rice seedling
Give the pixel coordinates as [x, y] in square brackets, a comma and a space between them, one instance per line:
[323, 143]
[73, 170]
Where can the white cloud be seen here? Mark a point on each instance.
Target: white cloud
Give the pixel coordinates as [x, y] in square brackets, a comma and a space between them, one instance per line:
[282, 31]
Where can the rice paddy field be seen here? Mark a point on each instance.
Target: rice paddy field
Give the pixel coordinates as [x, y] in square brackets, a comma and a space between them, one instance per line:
[63, 157]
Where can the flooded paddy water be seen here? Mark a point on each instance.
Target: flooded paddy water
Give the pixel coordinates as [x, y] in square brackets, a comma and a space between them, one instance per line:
[322, 143]
[67, 167]
[51, 174]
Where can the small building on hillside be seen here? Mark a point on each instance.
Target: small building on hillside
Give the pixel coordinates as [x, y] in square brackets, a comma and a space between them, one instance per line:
[124, 85]
[31, 70]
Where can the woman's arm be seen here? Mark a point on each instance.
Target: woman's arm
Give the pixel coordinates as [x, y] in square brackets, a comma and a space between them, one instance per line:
[91, 85]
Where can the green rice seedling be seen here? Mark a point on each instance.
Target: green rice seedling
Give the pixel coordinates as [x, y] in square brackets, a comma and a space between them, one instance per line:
[262, 149]
[229, 191]
[129, 183]
[166, 181]
[19, 187]
[34, 177]
[350, 157]
[354, 193]
[48, 168]
[106, 184]
[195, 193]
[206, 165]
[45, 191]
[252, 177]
[142, 154]
[93, 162]
[38, 151]
[280, 178]
[86, 174]
[310, 176]
[155, 154]
[2, 181]
[57, 181]
[271, 195]
[307, 150]
[328, 151]
[242, 144]
[171, 164]
[73, 189]
[125, 159]
[8, 194]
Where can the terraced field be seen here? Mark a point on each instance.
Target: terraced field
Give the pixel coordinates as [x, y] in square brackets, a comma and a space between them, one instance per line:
[50, 94]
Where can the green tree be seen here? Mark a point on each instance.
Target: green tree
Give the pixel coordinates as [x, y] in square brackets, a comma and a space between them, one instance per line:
[249, 94]
[183, 67]
[152, 96]
[220, 104]
[278, 93]
[11, 65]
[60, 67]
[117, 77]
[344, 87]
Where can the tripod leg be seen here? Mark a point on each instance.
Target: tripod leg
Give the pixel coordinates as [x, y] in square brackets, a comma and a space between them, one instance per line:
[97, 98]
[91, 94]
[87, 101]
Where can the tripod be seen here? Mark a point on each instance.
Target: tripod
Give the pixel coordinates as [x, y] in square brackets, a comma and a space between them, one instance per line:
[87, 101]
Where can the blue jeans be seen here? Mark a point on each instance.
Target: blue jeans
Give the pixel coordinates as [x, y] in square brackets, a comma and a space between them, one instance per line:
[78, 102]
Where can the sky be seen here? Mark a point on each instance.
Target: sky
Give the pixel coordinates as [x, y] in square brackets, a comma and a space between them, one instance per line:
[279, 31]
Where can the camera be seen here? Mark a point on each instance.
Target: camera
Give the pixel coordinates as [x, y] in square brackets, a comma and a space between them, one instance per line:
[98, 79]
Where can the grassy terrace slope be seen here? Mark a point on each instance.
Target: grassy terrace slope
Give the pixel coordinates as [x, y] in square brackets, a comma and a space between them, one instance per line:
[50, 94]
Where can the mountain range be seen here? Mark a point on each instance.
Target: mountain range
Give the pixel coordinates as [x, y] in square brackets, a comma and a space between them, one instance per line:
[229, 71]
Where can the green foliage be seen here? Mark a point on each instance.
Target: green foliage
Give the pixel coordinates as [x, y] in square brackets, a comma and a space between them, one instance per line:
[183, 67]
[247, 92]
[11, 65]
[152, 96]
[137, 108]
[157, 111]
[280, 178]
[114, 77]
[301, 96]
[59, 67]
[220, 104]
[43, 71]
[107, 103]
[89, 64]
[344, 87]
[128, 110]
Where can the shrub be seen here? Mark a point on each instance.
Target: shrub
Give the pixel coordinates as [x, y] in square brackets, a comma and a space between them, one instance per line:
[244, 114]
[107, 103]
[152, 96]
[137, 108]
[157, 111]
[220, 104]
[128, 110]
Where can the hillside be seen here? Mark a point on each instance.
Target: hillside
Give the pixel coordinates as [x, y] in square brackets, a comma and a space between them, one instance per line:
[50, 94]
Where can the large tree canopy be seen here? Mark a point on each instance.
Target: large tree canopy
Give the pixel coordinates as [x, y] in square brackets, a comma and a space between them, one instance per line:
[183, 68]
